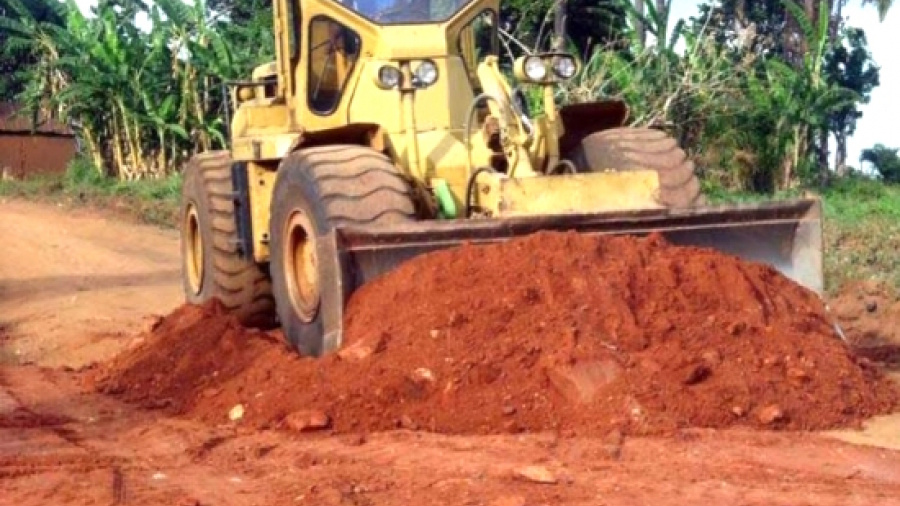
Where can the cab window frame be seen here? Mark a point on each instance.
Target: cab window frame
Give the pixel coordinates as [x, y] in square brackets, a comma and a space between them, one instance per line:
[295, 28]
[342, 89]
[495, 37]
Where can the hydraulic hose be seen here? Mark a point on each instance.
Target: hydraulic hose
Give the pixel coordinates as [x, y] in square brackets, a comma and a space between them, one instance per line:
[470, 187]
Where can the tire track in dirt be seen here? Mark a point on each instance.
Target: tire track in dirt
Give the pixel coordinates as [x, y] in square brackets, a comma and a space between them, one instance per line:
[103, 454]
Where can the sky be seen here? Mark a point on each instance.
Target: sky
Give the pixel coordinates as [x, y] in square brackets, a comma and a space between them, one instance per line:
[877, 123]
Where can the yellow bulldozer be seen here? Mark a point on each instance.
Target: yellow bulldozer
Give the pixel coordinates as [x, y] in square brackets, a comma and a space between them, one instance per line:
[386, 129]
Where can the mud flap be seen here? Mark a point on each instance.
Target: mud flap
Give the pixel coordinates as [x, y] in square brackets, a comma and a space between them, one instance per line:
[786, 235]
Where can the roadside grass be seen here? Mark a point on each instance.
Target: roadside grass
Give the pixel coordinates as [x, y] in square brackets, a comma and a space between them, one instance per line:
[861, 229]
[862, 217]
[862, 233]
[149, 201]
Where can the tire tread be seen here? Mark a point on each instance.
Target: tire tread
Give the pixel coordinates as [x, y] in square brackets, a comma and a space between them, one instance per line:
[242, 286]
[627, 149]
[338, 186]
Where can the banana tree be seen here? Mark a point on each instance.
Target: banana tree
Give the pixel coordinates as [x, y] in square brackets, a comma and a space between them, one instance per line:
[23, 33]
[197, 53]
[813, 97]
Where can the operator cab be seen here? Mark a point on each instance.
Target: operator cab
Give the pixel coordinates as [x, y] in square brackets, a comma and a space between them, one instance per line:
[335, 49]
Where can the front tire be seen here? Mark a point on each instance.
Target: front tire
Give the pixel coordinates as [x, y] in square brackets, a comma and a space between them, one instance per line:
[211, 264]
[317, 189]
[626, 149]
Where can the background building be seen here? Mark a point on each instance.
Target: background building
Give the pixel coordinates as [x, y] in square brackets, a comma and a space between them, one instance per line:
[47, 148]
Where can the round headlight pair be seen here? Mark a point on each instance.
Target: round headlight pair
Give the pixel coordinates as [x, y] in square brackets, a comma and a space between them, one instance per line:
[389, 77]
[536, 69]
[425, 75]
[564, 67]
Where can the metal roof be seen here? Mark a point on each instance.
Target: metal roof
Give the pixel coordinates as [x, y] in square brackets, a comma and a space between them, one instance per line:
[11, 122]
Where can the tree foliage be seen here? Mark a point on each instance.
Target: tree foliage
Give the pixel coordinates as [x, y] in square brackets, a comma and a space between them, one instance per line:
[15, 60]
[141, 101]
[885, 160]
[753, 90]
[849, 65]
[749, 111]
[589, 23]
[242, 11]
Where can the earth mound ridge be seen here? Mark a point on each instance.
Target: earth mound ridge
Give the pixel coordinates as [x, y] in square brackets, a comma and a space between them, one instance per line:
[554, 331]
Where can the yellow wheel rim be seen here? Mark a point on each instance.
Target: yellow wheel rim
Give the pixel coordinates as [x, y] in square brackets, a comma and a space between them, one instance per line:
[300, 266]
[193, 249]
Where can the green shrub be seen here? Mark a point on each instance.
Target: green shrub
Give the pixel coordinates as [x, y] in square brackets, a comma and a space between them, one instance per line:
[81, 172]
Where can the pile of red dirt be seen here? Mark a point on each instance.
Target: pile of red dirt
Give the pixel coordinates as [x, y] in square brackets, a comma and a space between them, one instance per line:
[554, 331]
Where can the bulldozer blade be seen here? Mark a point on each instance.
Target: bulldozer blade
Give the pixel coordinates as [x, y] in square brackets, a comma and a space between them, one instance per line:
[786, 235]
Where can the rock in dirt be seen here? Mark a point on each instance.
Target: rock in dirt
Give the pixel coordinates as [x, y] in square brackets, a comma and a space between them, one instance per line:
[581, 382]
[595, 337]
[236, 413]
[363, 349]
[536, 474]
[423, 374]
[770, 414]
[307, 421]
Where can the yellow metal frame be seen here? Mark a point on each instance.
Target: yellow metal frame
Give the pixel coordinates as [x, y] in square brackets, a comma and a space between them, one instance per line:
[262, 182]
[571, 194]
[438, 135]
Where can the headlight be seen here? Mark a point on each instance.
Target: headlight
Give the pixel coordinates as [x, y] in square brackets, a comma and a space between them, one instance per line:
[426, 73]
[535, 69]
[564, 67]
[388, 77]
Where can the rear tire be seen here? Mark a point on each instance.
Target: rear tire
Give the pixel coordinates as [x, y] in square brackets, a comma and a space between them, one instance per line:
[317, 189]
[211, 264]
[627, 149]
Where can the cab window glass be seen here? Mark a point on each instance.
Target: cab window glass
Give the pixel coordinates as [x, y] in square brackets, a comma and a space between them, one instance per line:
[478, 39]
[333, 53]
[400, 12]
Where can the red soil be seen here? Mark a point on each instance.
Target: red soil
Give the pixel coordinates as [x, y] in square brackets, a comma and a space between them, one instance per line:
[549, 332]
[869, 314]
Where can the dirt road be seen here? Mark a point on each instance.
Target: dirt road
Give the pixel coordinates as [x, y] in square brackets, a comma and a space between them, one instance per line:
[73, 284]
[76, 288]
